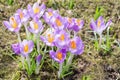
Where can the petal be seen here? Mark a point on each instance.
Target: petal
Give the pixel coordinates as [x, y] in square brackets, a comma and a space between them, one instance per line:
[93, 25]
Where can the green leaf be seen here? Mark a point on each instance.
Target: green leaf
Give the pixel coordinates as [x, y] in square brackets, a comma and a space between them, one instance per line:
[10, 2]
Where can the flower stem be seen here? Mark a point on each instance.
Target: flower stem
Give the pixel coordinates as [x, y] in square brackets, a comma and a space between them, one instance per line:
[38, 46]
[19, 39]
[100, 41]
[70, 59]
[60, 70]
[28, 61]
[27, 33]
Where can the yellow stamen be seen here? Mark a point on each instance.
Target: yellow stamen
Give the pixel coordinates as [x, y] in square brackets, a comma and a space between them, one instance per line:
[36, 10]
[78, 22]
[98, 23]
[50, 38]
[59, 55]
[26, 48]
[50, 13]
[58, 22]
[14, 23]
[35, 25]
[21, 15]
[73, 44]
[62, 37]
[69, 20]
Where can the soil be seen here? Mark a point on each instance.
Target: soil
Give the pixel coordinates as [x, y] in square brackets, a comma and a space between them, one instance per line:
[98, 65]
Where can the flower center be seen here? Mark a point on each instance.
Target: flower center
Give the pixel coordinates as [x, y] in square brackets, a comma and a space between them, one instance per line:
[21, 15]
[50, 13]
[98, 23]
[69, 20]
[59, 55]
[26, 48]
[50, 38]
[62, 37]
[78, 22]
[73, 44]
[14, 23]
[58, 22]
[35, 26]
[36, 10]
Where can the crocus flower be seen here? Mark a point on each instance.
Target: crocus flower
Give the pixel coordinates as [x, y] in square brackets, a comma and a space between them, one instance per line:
[26, 47]
[16, 48]
[78, 24]
[69, 23]
[99, 26]
[24, 17]
[13, 24]
[59, 55]
[38, 59]
[35, 26]
[49, 14]
[36, 10]
[62, 39]
[57, 22]
[49, 37]
[76, 46]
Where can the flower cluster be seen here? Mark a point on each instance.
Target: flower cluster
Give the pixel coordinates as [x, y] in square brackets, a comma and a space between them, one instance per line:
[61, 35]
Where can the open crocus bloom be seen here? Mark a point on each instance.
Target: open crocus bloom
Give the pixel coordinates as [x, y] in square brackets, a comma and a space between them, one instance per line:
[49, 37]
[99, 26]
[26, 47]
[76, 46]
[24, 17]
[38, 59]
[13, 24]
[36, 10]
[78, 24]
[58, 22]
[16, 48]
[69, 23]
[35, 26]
[59, 55]
[49, 14]
[62, 39]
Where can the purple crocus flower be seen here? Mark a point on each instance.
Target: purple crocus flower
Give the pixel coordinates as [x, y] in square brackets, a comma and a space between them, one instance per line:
[57, 22]
[49, 37]
[99, 26]
[13, 24]
[59, 55]
[49, 14]
[38, 59]
[35, 26]
[76, 46]
[78, 24]
[69, 23]
[62, 39]
[24, 17]
[36, 10]
[16, 48]
[26, 47]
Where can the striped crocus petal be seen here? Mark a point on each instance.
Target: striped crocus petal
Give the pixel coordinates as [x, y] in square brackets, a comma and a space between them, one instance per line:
[16, 48]
[26, 47]
[58, 56]
[76, 46]
[38, 59]
[13, 24]
[78, 25]
[35, 26]
[24, 16]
